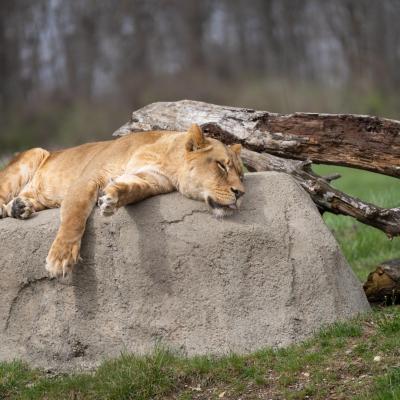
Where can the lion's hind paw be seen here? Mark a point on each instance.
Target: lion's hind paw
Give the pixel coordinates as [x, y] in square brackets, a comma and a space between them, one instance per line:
[20, 208]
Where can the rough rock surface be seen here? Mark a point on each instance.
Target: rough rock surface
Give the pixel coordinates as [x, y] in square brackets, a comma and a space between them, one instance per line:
[165, 271]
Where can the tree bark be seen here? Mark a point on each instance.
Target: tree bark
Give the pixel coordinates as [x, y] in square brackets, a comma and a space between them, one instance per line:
[359, 141]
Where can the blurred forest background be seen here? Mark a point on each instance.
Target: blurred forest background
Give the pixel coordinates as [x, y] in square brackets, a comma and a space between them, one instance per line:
[74, 70]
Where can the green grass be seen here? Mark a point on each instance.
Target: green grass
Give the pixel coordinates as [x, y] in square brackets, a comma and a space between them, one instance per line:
[388, 386]
[363, 246]
[338, 362]
[52, 125]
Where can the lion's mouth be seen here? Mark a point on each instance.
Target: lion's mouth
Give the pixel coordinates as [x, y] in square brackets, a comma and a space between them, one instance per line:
[215, 205]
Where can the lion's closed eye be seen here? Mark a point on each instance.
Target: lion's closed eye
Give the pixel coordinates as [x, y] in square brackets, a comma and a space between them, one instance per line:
[222, 167]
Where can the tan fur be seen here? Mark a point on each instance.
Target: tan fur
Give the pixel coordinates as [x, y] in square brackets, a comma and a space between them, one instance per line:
[117, 173]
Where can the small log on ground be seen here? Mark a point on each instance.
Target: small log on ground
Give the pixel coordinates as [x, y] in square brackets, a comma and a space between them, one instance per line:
[358, 141]
[383, 284]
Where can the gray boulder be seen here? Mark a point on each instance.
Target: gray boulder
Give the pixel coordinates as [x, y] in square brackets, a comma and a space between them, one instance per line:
[165, 271]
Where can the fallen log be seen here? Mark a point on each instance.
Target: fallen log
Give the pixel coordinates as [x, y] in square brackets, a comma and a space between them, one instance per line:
[233, 125]
[358, 141]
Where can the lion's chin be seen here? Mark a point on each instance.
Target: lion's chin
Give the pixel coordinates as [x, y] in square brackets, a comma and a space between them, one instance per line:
[220, 210]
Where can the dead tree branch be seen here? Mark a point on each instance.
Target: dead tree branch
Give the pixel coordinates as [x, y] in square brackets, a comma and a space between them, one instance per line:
[325, 196]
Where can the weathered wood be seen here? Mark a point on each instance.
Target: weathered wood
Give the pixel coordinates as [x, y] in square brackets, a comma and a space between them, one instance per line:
[383, 284]
[325, 196]
[358, 141]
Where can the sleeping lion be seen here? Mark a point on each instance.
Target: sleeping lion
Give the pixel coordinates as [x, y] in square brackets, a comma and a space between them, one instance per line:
[116, 173]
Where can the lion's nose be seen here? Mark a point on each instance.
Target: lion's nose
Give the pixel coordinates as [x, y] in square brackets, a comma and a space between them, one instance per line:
[238, 193]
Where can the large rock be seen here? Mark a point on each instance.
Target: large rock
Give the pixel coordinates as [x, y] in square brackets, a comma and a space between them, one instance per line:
[165, 271]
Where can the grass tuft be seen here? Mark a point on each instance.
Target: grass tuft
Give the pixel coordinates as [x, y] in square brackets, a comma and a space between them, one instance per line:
[387, 387]
[341, 330]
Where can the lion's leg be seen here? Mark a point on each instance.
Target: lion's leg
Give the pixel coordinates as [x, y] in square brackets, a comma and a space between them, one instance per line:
[15, 176]
[75, 210]
[129, 189]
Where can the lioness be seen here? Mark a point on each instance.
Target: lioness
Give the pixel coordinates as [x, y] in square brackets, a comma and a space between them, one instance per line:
[116, 173]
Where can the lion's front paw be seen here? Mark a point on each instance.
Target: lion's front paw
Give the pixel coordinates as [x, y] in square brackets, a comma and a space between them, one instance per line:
[62, 257]
[108, 205]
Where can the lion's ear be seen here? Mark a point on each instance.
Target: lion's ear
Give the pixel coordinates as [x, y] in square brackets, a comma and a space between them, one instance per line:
[195, 138]
[237, 148]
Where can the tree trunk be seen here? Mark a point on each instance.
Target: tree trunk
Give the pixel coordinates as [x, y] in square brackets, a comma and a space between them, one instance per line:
[359, 141]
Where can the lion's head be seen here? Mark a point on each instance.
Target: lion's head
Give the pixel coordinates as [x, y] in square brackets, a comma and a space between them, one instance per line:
[212, 172]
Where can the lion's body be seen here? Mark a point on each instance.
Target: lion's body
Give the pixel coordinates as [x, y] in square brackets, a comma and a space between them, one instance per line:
[122, 171]
[51, 178]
